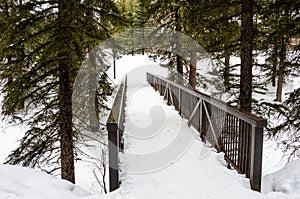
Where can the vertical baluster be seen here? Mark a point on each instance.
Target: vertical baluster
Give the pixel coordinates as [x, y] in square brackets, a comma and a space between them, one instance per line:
[226, 133]
[241, 146]
[236, 141]
[248, 151]
[231, 136]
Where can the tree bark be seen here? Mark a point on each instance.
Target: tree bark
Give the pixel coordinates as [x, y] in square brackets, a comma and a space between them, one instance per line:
[179, 63]
[92, 80]
[192, 74]
[281, 71]
[114, 65]
[245, 99]
[66, 65]
[279, 88]
[274, 67]
[274, 71]
[94, 123]
[226, 74]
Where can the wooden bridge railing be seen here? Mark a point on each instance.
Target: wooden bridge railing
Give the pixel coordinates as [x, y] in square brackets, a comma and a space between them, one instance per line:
[115, 128]
[239, 135]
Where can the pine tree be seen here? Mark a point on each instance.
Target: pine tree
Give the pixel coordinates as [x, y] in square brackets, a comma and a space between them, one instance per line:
[57, 38]
[278, 27]
[9, 17]
[143, 17]
[214, 25]
[129, 10]
[287, 131]
[168, 14]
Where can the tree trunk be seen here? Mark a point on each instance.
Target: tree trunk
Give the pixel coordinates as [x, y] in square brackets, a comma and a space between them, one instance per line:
[179, 63]
[65, 117]
[143, 35]
[226, 74]
[274, 67]
[114, 65]
[192, 74]
[66, 65]
[279, 87]
[94, 123]
[281, 71]
[274, 71]
[245, 99]
[92, 80]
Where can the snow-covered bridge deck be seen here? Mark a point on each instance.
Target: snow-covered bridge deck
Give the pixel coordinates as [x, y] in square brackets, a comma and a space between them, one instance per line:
[164, 157]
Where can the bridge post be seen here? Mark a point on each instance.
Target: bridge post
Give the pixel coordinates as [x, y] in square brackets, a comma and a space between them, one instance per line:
[113, 156]
[256, 155]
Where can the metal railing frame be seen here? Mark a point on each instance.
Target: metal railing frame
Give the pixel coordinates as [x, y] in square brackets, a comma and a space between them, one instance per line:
[115, 128]
[238, 134]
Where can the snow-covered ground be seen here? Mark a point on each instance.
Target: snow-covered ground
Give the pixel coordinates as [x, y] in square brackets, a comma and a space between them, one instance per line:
[17, 183]
[284, 183]
[170, 163]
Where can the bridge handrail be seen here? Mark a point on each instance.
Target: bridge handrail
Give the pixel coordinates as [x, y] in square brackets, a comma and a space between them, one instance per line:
[238, 134]
[115, 128]
[248, 117]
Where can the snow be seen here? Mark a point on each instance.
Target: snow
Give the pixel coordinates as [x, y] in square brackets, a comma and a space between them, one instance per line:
[163, 157]
[24, 183]
[286, 181]
[273, 159]
[127, 64]
[9, 135]
[185, 178]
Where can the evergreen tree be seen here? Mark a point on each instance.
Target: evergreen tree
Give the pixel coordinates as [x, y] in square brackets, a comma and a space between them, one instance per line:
[279, 25]
[55, 37]
[168, 14]
[129, 10]
[143, 17]
[214, 24]
[287, 131]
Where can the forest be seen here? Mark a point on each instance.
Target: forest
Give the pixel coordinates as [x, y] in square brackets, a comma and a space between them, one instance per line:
[44, 42]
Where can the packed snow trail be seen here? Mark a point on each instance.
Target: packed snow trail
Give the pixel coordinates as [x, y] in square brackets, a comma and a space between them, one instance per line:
[156, 165]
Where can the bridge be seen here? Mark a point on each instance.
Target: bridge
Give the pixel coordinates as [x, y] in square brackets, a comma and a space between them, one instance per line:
[229, 131]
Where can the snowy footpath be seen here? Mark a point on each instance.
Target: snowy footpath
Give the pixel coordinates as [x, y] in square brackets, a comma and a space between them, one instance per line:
[164, 158]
